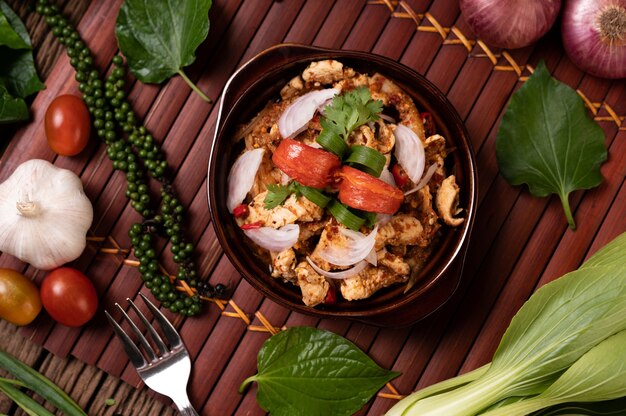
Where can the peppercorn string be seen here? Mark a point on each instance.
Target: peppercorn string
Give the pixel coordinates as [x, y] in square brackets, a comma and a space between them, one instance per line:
[139, 158]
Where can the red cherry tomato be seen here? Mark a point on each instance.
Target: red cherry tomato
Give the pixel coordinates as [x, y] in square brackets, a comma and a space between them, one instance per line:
[67, 125]
[399, 175]
[307, 165]
[69, 297]
[363, 191]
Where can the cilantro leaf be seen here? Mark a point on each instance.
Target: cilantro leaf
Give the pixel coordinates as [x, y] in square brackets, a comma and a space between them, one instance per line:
[346, 113]
[547, 140]
[276, 194]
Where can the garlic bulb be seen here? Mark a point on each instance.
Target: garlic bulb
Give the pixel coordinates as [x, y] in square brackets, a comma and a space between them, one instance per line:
[44, 215]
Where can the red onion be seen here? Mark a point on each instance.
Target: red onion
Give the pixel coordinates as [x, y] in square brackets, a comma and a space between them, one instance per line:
[510, 24]
[344, 274]
[296, 117]
[594, 36]
[356, 248]
[410, 152]
[425, 179]
[273, 239]
[241, 177]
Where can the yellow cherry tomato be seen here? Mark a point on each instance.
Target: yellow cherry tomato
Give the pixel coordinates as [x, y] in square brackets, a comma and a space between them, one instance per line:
[19, 298]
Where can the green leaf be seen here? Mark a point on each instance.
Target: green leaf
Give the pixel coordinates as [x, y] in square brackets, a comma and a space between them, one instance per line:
[308, 371]
[159, 38]
[599, 375]
[11, 109]
[18, 73]
[547, 140]
[276, 194]
[40, 385]
[12, 31]
[343, 115]
[25, 402]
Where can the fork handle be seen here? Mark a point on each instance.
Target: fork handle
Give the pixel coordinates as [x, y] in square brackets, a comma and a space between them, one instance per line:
[185, 408]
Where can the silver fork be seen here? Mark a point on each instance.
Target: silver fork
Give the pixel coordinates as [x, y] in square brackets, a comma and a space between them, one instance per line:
[166, 372]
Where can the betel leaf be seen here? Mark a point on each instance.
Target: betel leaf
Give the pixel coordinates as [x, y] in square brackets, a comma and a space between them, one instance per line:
[12, 31]
[308, 371]
[599, 375]
[11, 109]
[547, 141]
[18, 73]
[159, 37]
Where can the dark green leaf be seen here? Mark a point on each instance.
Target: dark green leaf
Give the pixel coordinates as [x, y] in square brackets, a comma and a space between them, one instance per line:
[18, 73]
[308, 371]
[12, 31]
[608, 408]
[11, 109]
[159, 38]
[547, 140]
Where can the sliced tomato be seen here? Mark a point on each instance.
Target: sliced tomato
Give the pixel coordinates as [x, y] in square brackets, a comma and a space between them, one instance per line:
[307, 165]
[363, 191]
[399, 175]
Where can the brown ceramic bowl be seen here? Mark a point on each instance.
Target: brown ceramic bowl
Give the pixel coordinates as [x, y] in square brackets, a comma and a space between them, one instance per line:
[247, 92]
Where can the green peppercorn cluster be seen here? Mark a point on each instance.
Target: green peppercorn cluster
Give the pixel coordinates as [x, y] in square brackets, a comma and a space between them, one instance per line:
[133, 150]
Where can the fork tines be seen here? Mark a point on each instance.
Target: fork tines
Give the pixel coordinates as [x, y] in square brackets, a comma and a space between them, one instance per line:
[134, 353]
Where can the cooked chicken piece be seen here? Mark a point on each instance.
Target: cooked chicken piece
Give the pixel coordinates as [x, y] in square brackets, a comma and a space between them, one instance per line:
[313, 286]
[448, 201]
[323, 72]
[263, 131]
[382, 142]
[401, 230]
[294, 209]
[394, 263]
[310, 229]
[266, 175]
[366, 283]
[284, 264]
[331, 237]
[391, 95]
[293, 88]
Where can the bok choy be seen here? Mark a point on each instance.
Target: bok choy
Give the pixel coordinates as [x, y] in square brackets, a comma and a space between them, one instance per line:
[557, 327]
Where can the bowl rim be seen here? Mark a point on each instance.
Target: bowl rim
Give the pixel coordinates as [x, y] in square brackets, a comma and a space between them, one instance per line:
[471, 186]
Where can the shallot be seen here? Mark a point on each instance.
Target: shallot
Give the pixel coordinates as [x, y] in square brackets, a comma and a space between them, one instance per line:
[594, 36]
[296, 117]
[275, 239]
[241, 177]
[510, 24]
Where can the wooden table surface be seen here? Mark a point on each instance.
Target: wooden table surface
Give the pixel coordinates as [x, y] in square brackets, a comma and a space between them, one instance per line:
[519, 241]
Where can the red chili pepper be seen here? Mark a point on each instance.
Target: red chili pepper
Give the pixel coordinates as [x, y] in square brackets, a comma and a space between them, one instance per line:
[399, 175]
[331, 296]
[429, 124]
[252, 225]
[241, 211]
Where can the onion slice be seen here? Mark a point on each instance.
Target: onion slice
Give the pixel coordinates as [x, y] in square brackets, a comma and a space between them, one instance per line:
[387, 177]
[241, 177]
[298, 114]
[383, 219]
[372, 258]
[357, 248]
[425, 179]
[273, 239]
[410, 152]
[344, 274]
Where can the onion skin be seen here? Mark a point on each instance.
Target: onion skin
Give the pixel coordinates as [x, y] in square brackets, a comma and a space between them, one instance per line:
[588, 44]
[510, 24]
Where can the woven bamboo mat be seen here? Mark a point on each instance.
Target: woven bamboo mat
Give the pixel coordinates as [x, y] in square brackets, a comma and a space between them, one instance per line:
[519, 242]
